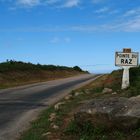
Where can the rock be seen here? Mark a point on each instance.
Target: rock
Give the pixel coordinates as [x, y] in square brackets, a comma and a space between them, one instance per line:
[135, 98]
[119, 112]
[46, 134]
[78, 93]
[114, 93]
[57, 106]
[87, 91]
[52, 117]
[107, 90]
[68, 97]
[55, 126]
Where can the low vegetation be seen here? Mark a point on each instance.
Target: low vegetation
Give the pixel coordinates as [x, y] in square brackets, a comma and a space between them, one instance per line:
[12, 65]
[14, 73]
[115, 78]
[68, 129]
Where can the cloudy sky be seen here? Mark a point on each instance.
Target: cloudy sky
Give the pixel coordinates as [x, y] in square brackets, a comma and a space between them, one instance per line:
[69, 32]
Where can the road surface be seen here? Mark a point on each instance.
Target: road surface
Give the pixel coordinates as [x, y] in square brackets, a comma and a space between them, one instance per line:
[20, 105]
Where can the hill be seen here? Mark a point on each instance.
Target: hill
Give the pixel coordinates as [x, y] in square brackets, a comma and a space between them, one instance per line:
[15, 73]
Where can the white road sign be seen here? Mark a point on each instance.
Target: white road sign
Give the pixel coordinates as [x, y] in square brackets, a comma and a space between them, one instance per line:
[127, 59]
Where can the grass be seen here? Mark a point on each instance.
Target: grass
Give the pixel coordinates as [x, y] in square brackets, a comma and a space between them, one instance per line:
[134, 88]
[69, 129]
[38, 127]
[88, 132]
[114, 81]
[85, 132]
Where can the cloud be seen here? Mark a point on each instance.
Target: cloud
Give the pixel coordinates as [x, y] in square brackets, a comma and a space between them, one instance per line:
[102, 10]
[83, 28]
[124, 26]
[132, 25]
[55, 3]
[114, 11]
[29, 3]
[52, 1]
[98, 1]
[55, 40]
[130, 20]
[70, 3]
[132, 12]
[107, 10]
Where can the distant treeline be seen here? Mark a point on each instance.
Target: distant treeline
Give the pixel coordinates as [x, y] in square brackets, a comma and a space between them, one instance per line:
[12, 65]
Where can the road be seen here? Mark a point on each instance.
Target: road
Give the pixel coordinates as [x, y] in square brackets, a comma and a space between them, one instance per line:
[21, 105]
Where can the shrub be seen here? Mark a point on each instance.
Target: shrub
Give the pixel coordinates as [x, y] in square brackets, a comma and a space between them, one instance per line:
[12, 65]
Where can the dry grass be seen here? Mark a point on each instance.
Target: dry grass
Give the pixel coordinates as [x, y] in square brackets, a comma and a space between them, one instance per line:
[17, 78]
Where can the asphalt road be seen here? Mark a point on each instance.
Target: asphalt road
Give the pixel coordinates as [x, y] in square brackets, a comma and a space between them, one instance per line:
[19, 106]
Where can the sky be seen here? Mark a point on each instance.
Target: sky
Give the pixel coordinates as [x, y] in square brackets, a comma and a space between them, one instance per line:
[86, 33]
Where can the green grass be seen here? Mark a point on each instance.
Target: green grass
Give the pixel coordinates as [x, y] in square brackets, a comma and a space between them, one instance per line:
[87, 131]
[38, 127]
[134, 88]
[114, 82]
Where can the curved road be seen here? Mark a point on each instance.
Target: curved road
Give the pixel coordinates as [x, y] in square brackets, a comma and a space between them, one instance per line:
[20, 105]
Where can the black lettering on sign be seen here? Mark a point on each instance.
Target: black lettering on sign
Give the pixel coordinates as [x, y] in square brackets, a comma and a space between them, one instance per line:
[134, 56]
[126, 61]
[122, 61]
[130, 61]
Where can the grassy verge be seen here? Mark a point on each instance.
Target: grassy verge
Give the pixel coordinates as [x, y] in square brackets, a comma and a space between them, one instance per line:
[63, 126]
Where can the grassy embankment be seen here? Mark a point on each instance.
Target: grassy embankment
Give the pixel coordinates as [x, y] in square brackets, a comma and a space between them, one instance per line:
[13, 73]
[42, 129]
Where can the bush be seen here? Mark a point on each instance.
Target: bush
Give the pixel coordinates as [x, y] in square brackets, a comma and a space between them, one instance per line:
[77, 68]
[11, 65]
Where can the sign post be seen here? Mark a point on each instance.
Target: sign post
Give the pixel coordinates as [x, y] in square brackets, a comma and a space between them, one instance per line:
[126, 60]
[125, 78]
